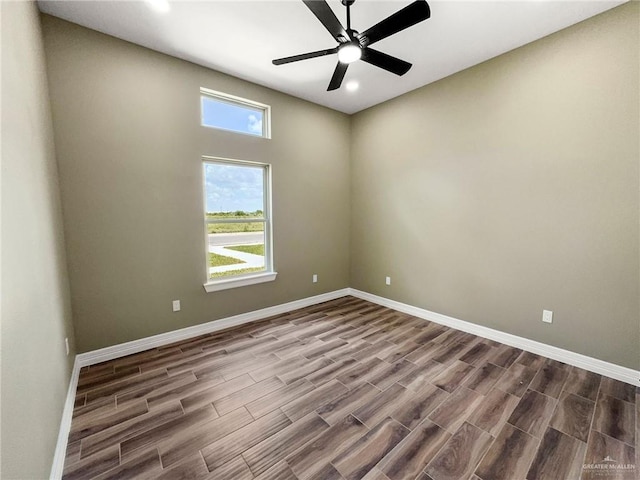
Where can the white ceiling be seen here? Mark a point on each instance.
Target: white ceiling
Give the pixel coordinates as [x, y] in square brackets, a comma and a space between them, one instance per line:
[242, 37]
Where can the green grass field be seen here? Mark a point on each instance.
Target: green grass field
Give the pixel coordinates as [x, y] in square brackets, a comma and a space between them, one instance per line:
[234, 227]
[257, 249]
[236, 272]
[216, 260]
[235, 215]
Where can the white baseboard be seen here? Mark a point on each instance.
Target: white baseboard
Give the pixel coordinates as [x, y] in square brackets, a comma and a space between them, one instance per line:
[65, 425]
[128, 348]
[601, 367]
[135, 346]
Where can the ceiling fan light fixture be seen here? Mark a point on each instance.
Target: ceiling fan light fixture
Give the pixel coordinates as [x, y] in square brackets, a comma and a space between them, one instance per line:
[349, 53]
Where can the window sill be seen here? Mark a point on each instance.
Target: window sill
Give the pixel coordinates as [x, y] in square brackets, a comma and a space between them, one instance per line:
[239, 281]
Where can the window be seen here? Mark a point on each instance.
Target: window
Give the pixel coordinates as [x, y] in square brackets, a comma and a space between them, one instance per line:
[238, 223]
[227, 112]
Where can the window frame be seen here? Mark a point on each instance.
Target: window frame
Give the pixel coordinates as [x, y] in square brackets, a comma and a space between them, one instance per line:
[268, 274]
[241, 102]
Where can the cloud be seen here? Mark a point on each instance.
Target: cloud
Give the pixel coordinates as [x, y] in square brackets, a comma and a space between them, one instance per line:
[255, 124]
[232, 187]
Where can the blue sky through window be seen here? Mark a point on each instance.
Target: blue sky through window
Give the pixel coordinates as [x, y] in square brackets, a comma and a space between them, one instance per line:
[231, 187]
[219, 114]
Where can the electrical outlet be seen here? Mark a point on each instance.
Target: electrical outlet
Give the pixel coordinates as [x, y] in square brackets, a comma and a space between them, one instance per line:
[176, 305]
[315, 278]
[387, 280]
[66, 344]
[547, 316]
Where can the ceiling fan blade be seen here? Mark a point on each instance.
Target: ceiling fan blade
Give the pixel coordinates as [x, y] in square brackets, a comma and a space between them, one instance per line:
[410, 15]
[338, 75]
[304, 56]
[384, 61]
[323, 12]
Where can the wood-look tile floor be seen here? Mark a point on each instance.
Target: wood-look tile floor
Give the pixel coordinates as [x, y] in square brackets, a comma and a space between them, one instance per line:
[349, 390]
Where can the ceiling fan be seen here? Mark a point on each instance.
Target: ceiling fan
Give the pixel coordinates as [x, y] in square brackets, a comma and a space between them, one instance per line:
[353, 46]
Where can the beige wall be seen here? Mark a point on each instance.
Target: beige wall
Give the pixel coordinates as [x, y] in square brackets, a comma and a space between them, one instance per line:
[510, 188]
[503, 190]
[129, 148]
[36, 315]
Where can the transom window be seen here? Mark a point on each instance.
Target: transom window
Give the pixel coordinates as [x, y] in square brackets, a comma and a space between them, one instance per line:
[227, 112]
[238, 223]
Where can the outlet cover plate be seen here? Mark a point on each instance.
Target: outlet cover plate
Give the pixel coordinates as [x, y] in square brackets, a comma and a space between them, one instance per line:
[547, 316]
